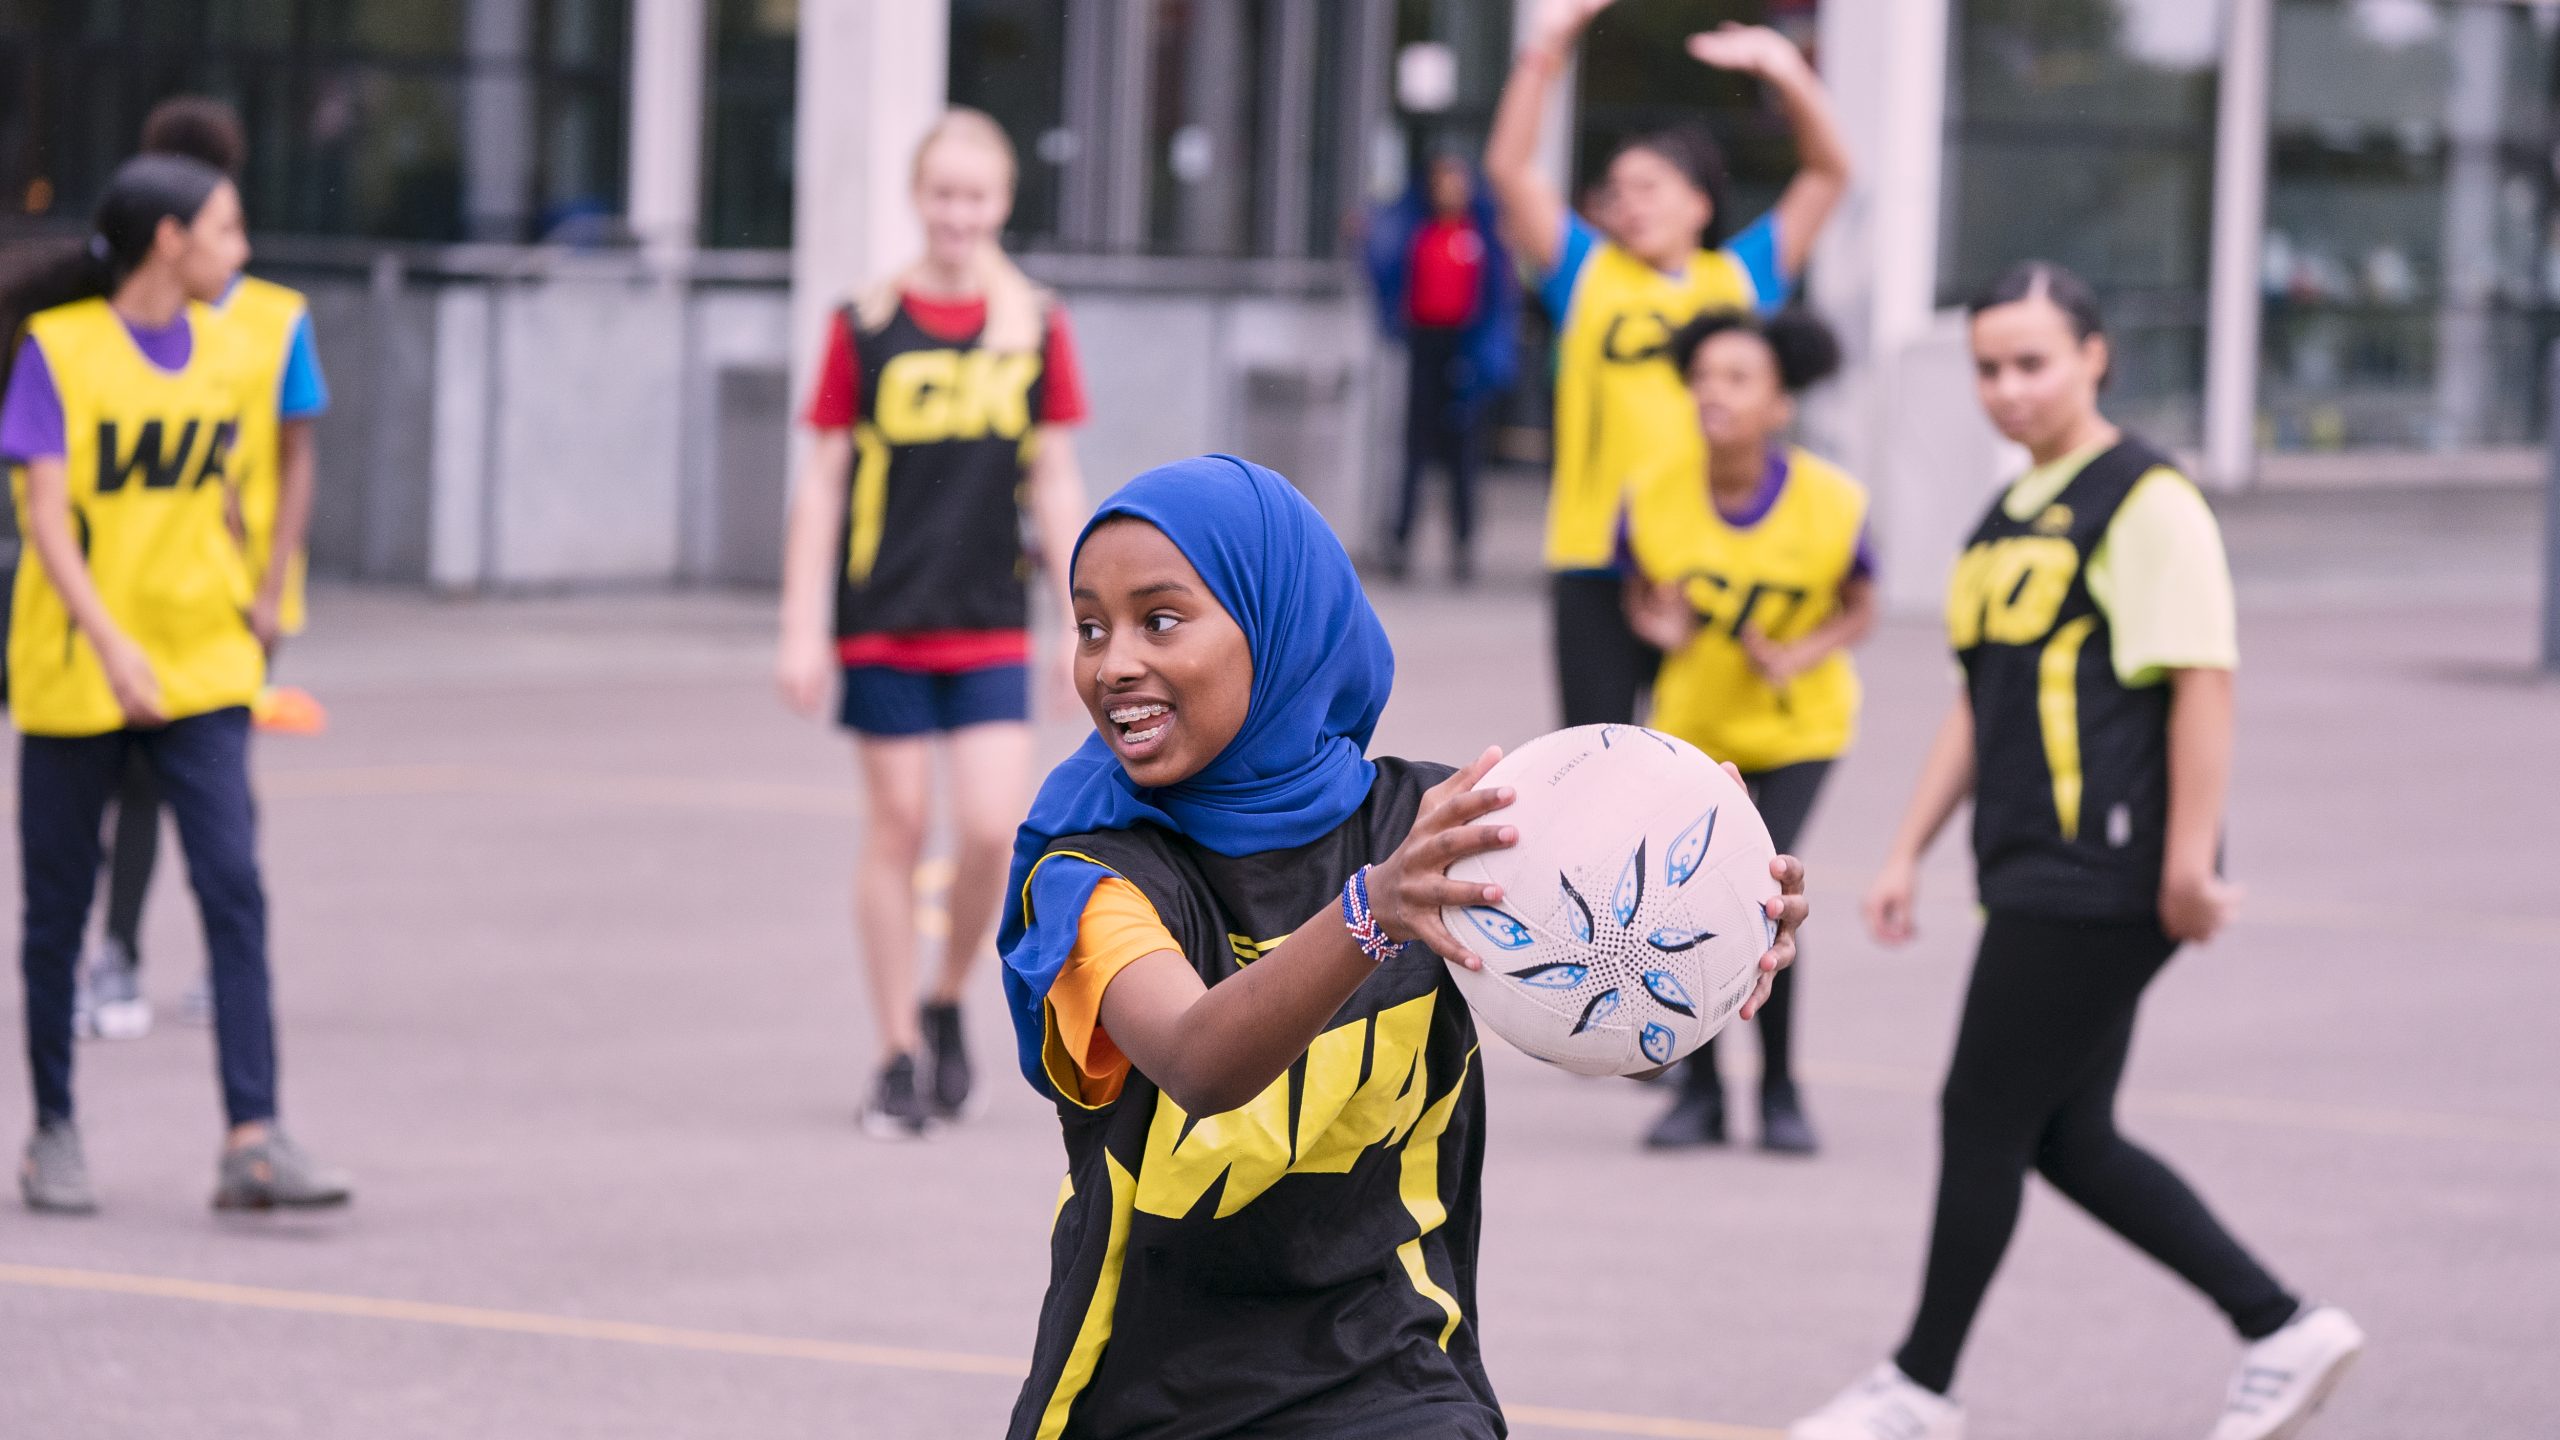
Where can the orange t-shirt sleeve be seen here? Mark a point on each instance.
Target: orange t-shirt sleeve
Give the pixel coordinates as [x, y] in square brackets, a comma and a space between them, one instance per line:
[1118, 927]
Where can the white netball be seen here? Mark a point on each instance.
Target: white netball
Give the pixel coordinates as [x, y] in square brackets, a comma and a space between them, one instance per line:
[1631, 925]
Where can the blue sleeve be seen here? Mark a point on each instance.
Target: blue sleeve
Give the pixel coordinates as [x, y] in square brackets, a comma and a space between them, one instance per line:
[1556, 290]
[1757, 248]
[1058, 890]
[306, 390]
[31, 425]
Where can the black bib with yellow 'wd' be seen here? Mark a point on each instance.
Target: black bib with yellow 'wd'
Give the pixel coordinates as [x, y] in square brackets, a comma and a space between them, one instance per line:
[2071, 766]
[1303, 1265]
[933, 528]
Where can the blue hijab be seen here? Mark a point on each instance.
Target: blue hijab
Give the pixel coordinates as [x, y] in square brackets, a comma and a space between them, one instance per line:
[1299, 766]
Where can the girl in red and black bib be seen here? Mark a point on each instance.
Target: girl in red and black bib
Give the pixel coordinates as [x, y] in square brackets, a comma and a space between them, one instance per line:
[943, 416]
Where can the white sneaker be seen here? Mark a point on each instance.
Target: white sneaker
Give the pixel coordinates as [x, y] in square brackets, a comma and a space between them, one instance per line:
[2283, 1378]
[1884, 1404]
[110, 1005]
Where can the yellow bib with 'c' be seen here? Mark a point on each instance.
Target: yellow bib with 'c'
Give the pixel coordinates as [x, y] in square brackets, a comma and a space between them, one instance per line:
[264, 315]
[147, 460]
[1620, 403]
[1779, 577]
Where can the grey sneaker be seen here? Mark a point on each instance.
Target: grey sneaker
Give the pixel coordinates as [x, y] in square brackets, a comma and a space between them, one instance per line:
[948, 1046]
[897, 1108]
[55, 1178]
[275, 1172]
[111, 1006]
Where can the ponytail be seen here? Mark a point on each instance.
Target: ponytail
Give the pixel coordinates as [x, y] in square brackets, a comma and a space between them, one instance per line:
[40, 275]
[143, 192]
[1017, 309]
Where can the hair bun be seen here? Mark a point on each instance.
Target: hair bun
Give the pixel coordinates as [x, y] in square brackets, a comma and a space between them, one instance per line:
[98, 248]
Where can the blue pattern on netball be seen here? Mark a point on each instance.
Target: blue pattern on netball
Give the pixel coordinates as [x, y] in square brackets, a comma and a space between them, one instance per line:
[1638, 953]
[1602, 1006]
[1577, 911]
[1689, 849]
[1504, 931]
[1667, 990]
[1657, 1043]
[1630, 887]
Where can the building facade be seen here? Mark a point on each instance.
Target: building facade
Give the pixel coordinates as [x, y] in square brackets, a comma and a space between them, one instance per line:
[571, 257]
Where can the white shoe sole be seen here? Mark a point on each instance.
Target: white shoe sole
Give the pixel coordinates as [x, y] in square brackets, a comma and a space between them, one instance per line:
[122, 1020]
[2300, 1420]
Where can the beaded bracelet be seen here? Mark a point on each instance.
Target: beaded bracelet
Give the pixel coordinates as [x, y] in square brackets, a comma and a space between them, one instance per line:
[1363, 924]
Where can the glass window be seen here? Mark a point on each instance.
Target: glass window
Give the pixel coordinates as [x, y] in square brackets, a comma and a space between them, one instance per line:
[2081, 132]
[388, 119]
[1008, 58]
[1206, 94]
[1637, 76]
[2410, 269]
[750, 96]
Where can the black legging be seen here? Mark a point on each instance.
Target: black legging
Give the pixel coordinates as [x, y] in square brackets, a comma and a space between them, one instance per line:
[1602, 666]
[1439, 426]
[1785, 798]
[2048, 1021]
[136, 850]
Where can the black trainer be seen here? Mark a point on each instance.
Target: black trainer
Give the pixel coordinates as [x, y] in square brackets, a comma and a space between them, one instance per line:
[948, 1051]
[1695, 1119]
[1783, 1126]
[896, 1110]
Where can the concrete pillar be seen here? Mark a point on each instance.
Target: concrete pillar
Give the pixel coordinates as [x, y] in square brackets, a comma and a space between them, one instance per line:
[1555, 138]
[2475, 102]
[1211, 163]
[1902, 417]
[497, 120]
[873, 75]
[1905, 172]
[2234, 304]
[670, 41]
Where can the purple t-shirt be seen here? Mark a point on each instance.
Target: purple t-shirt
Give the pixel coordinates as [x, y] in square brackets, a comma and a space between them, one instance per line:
[31, 426]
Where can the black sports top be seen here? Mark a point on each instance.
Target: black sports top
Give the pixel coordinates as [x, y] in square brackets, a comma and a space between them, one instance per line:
[933, 530]
[1303, 1265]
[2071, 766]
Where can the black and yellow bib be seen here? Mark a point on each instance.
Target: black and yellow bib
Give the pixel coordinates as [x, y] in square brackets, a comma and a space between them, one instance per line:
[1619, 403]
[1305, 1264]
[2071, 766]
[933, 533]
[148, 460]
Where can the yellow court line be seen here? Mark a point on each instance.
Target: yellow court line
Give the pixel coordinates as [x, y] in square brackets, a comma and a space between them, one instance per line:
[757, 796]
[1606, 1422]
[2490, 926]
[519, 1322]
[716, 1342]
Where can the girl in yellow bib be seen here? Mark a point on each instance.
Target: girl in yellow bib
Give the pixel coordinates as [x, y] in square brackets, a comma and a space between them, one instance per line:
[131, 629]
[1754, 578]
[1616, 301]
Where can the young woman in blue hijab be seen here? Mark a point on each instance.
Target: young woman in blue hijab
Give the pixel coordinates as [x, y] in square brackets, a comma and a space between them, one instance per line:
[1223, 955]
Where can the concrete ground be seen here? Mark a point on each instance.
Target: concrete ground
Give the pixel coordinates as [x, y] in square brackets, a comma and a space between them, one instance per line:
[565, 977]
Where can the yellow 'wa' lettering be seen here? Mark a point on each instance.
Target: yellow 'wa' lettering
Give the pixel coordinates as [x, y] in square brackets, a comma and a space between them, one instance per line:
[1340, 1118]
